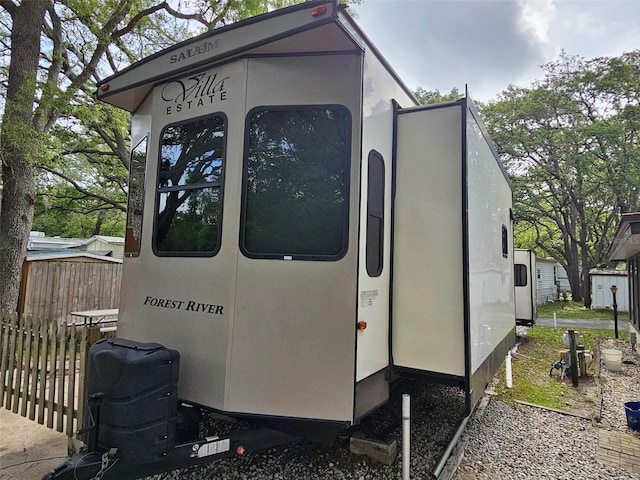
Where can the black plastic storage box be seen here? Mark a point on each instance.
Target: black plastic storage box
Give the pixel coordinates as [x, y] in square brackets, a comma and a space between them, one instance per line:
[139, 382]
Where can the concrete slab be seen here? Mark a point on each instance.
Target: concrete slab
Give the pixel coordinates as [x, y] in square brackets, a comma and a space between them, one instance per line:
[28, 450]
[383, 452]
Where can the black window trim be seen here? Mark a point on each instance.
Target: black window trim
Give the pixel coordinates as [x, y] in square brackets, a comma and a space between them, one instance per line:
[371, 212]
[219, 185]
[520, 276]
[505, 241]
[347, 182]
[128, 253]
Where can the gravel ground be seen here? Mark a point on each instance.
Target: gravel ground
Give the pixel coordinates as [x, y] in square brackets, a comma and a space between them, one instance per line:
[530, 443]
[499, 443]
[436, 412]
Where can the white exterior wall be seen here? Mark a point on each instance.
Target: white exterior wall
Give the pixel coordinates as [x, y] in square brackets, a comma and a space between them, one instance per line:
[491, 292]
[99, 245]
[430, 236]
[601, 296]
[428, 315]
[373, 292]
[545, 280]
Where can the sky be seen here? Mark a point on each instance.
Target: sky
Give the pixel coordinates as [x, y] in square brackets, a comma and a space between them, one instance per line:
[491, 44]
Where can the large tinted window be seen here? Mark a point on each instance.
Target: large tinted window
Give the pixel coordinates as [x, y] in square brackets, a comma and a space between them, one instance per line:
[189, 190]
[296, 182]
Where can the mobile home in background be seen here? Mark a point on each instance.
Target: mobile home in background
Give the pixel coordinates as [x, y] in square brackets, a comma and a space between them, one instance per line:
[300, 234]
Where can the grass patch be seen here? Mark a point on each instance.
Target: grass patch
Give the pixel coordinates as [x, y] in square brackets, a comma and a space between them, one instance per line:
[570, 309]
[532, 362]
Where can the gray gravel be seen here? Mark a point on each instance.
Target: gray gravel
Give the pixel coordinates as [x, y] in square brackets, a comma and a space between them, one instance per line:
[499, 443]
[530, 443]
[436, 412]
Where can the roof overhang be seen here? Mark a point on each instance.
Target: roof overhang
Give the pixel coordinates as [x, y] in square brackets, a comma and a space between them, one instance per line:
[626, 240]
[308, 28]
[52, 256]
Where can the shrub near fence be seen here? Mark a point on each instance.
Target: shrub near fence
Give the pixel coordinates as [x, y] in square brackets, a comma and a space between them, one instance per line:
[42, 371]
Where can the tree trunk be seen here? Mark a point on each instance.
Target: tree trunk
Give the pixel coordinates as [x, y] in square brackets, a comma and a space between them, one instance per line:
[573, 270]
[18, 197]
[16, 147]
[586, 286]
[586, 265]
[99, 222]
[573, 274]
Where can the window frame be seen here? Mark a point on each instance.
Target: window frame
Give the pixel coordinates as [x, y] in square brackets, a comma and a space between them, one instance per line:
[133, 244]
[375, 252]
[518, 275]
[346, 181]
[505, 241]
[219, 186]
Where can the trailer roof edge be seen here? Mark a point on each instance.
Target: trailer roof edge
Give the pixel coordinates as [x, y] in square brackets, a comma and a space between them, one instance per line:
[206, 48]
[626, 239]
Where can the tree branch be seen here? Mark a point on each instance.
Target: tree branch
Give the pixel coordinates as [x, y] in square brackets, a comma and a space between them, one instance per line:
[83, 190]
[9, 6]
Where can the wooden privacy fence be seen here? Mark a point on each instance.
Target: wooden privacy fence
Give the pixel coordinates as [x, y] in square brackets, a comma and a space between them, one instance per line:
[42, 371]
[52, 289]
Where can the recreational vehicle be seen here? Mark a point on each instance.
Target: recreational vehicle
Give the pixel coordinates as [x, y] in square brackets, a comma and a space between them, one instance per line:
[524, 272]
[300, 234]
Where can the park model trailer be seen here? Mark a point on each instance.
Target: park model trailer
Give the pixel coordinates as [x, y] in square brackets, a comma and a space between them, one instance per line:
[302, 233]
[524, 272]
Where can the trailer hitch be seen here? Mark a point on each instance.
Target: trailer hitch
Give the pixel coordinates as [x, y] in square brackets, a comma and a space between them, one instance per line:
[94, 402]
[108, 465]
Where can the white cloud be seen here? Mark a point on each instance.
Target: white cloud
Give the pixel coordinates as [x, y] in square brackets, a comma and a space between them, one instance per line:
[490, 44]
[536, 17]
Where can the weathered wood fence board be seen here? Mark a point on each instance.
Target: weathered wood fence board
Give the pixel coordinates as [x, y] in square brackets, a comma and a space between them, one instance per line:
[53, 289]
[43, 370]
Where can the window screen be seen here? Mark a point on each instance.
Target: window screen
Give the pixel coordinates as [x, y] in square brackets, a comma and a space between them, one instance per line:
[375, 214]
[520, 272]
[296, 183]
[189, 190]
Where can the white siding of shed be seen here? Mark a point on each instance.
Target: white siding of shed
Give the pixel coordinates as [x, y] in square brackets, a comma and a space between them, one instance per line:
[601, 296]
[545, 281]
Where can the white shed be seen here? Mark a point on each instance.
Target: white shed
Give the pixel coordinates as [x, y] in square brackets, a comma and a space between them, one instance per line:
[546, 271]
[601, 282]
[106, 245]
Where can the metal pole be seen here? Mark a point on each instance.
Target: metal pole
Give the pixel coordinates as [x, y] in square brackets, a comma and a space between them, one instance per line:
[615, 314]
[574, 357]
[406, 434]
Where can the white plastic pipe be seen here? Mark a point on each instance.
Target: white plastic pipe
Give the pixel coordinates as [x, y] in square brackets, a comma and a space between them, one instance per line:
[554, 320]
[508, 372]
[406, 434]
